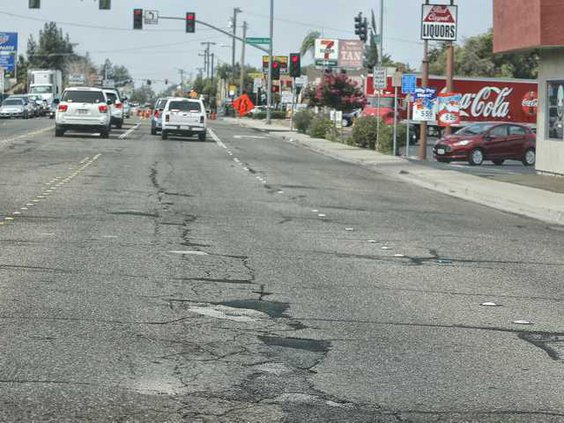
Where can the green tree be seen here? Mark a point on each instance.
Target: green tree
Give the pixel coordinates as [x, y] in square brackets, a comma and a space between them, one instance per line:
[337, 92]
[475, 57]
[53, 49]
[308, 43]
[143, 94]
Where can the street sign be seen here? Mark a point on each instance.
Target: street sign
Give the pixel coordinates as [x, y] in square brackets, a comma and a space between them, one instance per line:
[301, 81]
[257, 84]
[396, 79]
[326, 52]
[286, 97]
[380, 78]
[151, 17]
[408, 83]
[255, 40]
[438, 22]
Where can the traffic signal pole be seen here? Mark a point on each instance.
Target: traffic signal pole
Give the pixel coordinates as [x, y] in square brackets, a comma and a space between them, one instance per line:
[269, 93]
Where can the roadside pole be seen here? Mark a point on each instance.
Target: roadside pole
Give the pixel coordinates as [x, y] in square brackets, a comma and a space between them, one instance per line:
[424, 82]
[395, 152]
[242, 79]
[269, 93]
[293, 103]
[449, 76]
[408, 101]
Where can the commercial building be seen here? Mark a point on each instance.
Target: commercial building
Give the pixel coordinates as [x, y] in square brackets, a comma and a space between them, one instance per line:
[524, 25]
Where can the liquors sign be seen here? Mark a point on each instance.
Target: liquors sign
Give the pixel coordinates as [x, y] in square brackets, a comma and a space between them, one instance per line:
[438, 22]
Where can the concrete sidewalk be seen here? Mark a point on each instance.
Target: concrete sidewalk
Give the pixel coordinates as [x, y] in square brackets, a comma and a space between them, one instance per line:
[536, 196]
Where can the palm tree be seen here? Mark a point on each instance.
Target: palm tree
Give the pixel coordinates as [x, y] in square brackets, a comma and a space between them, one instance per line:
[308, 43]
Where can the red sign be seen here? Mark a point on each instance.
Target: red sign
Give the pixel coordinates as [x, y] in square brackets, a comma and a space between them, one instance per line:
[439, 14]
[485, 99]
[243, 105]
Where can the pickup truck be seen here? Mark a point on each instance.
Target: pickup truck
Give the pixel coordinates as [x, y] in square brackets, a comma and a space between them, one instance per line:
[184, 117]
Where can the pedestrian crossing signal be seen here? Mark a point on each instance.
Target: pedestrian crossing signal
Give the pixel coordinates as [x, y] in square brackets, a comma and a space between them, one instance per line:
[34, 4]
[105, 4]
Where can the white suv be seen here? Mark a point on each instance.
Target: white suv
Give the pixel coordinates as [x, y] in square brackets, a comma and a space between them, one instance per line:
[116, 108]
[183, 116]
[83, 109]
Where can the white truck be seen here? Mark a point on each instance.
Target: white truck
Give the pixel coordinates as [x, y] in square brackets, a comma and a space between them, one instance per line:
[45, 85]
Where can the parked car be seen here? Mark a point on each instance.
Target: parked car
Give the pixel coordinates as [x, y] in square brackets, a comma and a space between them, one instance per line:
[157, 115]
[83, 109]
[13, 107]
[116, 107]
[488, 141]
[349, 117]
[184, 117]
[30, 108]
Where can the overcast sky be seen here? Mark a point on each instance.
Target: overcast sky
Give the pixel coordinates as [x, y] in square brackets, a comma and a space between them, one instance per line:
[158, 51]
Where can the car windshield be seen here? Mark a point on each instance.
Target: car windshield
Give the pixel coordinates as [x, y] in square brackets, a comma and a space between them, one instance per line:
[112, 96]
[385, 102]
[477, 128]
[185, 106]
[12, 102]
[83, 97]
[42, 89]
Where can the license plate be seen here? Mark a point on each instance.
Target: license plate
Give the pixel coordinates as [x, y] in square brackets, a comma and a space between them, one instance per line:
[82, 111]
[441, 151]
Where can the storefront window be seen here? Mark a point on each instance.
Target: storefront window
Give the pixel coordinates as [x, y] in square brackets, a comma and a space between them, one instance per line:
[555, 101]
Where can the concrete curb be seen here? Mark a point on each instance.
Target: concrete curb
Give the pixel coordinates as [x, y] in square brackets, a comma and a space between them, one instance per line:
[517, 199]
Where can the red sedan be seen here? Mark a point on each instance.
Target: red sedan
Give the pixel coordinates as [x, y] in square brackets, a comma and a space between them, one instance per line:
[488, 141]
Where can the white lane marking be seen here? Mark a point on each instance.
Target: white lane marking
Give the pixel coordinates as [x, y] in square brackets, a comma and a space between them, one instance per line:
[16, 213]
[315, 211]
[322, 215]
[109, 236]
[83, 160]
[253, 137]
[128, 132]
[386, 248]
[522, 322]
[216, 138]
[349, 229]
[190, 253]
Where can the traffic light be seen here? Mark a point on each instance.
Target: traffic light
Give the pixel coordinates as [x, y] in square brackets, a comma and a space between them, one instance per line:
[190, 22]
[105, 4]
[166, 81]
[137, 18]
[149, 82]
[295, 65]
[358, 24]
[34, 4]
[275, 70]
[364, 30]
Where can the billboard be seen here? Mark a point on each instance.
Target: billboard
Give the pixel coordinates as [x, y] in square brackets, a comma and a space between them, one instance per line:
[8, 53]
[438, 22]
[351, 54]
[326, 52]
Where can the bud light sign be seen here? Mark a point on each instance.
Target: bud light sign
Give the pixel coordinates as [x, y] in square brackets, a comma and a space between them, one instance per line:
[438, 22]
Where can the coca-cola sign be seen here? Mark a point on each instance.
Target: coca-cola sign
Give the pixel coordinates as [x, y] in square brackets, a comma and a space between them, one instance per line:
[438, 22]
[530, 103]
[489, 102]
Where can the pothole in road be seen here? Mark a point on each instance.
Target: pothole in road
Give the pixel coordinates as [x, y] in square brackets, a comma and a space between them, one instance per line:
[552, 344]
[271, 308]
[300, 353]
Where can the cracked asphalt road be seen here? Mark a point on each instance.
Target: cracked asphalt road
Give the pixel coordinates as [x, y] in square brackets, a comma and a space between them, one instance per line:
[251, 280]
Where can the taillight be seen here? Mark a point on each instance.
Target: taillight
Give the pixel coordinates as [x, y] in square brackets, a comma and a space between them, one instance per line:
[167, 118]
[103, 108]
[201, 119]
[63, 108]
[119, 105]
[156, 114]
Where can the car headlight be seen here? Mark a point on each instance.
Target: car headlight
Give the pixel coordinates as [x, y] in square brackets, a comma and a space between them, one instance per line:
[462, 143]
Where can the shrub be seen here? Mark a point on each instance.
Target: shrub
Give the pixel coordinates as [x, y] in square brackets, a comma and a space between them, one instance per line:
[365, 133]
[320, 127]
[302, 120]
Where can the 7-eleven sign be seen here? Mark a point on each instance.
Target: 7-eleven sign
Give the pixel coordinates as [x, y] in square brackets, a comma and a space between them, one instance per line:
[438, 22]
[326, 52]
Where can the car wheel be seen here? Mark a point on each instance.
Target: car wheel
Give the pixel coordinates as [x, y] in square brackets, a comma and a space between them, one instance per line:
[476, 157]
[530, 157]
[498, 162]
[59, 132]
[444, 160]
[105, 134]
[164, 135]
[119, 124]
[202, 137]
[345, 123]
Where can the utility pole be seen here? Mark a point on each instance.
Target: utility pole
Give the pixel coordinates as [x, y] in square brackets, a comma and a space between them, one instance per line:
[381, 32]
[242, 81]
[181, 71]
[236, 10]
[424, 81]
[207, 56]
[269, 93]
